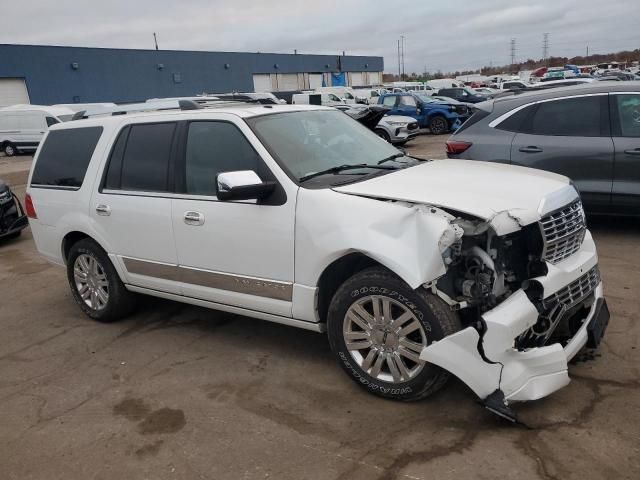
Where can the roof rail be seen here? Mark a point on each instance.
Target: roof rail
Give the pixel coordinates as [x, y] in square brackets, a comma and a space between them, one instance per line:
[137, 107]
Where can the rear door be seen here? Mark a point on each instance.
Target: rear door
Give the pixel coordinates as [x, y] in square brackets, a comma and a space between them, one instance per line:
[570, 136]
[625, 109]
[132, 206]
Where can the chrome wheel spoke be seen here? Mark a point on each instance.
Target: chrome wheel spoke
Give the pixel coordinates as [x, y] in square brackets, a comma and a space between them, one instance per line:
[386, 311]
[409, 354]
[375, 370]
[401, 320]
[361, 317]
[359, 345]
[411, 327]
[377, 313]
[404, 371]
[368, 360]
[393, 368]
[410, 345]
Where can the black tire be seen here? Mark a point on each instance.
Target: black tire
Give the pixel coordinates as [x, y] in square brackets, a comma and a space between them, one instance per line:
[120, 301]
[383, 134]
[435, 317]
[9, 149]
[13, 235]
[438, 125]
[400, 144]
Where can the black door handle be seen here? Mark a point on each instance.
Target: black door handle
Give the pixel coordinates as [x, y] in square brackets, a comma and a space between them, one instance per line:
[635, 151]
[531, 149]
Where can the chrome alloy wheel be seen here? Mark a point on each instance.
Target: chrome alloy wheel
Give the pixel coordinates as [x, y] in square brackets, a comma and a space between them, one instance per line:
[385, 338]
[91, 281]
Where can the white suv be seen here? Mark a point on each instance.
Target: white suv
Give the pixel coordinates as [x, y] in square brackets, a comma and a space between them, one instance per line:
[300, 215]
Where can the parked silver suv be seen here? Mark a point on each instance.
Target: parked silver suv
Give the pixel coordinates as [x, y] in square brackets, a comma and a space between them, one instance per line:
[590, 133]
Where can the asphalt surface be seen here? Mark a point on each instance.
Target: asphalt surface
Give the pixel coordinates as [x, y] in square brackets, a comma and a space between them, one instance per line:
[180, 392]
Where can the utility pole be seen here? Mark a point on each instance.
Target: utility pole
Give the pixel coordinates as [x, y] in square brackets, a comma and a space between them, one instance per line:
[513, 53]
[545, 48]
[587, 50]
[155, 40]
[399, 60]
[402, 37]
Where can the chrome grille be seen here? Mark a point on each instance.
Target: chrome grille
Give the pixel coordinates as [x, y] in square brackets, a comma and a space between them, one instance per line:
[563, 232]
[555, 308]
[575, 292]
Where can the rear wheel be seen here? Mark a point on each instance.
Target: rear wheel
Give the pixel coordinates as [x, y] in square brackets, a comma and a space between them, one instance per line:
[438, 125]
[378, 326]
[9, 149]
[95, 284]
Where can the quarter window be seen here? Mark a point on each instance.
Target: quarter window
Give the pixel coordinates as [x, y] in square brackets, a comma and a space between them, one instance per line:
[577, 117]
[629, 114]
[145, 162]
[65, 157]
[51, 121]
[212, 148]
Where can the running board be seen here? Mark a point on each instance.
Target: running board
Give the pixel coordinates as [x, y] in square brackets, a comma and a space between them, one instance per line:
[292, 322]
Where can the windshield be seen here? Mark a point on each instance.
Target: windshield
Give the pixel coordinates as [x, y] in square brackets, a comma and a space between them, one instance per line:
[307, 142]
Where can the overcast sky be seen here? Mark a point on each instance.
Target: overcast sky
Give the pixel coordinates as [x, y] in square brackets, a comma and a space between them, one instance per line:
[440, 35]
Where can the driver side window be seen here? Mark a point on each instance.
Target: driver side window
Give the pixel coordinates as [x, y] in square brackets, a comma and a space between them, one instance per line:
[215, 147]
[389, 101]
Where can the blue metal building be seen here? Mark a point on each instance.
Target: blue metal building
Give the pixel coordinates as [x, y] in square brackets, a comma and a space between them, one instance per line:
[52, 74]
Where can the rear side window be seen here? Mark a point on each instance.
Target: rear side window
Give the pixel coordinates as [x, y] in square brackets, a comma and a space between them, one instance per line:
[475, 118]
[577, 117]
[140, 158]
[519, 121]
[389, 101]
[65, 157]
[51, 121]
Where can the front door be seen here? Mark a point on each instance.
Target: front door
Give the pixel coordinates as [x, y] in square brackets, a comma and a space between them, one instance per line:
[236, 253]
[626, 138]
[132, 208]
[570, 136]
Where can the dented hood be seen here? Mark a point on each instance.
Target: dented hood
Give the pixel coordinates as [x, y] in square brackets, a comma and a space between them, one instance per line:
[481, 189]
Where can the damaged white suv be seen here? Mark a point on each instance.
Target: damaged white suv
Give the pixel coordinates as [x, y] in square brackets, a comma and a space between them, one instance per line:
[301, 216]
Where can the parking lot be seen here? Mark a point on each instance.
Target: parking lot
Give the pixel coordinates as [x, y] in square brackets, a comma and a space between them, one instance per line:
[182, 392]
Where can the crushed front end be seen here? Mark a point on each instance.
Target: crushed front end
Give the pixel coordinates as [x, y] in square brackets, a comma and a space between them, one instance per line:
[529, 300]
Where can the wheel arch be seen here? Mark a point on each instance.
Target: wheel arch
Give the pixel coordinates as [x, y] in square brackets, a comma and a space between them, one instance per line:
[336, 273]
[73, 237]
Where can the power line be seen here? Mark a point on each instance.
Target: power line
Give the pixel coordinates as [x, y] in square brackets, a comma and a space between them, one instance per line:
[545, 47]
[513, 51]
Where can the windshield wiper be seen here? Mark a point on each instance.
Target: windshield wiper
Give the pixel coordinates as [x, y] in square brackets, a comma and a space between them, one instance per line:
[340, 168]
[391, 157]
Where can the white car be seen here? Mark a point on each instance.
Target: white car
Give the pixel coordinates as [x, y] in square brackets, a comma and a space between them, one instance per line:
[397, 129]
[301, 216]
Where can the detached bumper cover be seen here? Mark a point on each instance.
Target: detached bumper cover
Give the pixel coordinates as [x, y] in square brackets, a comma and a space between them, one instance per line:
[519, 375]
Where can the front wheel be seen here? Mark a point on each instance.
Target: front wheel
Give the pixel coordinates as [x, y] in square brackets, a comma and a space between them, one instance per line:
[378, 326]
[383, 134]
[438, 125]
[9, 150]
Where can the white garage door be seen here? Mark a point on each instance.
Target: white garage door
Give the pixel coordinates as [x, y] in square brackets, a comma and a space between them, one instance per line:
[262, 83]
[13, 91]
[356, 79]
[375, 78]
[315, 80]
[287, 82]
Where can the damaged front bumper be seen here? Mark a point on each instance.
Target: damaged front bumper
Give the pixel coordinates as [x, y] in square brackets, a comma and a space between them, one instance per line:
[491, 363]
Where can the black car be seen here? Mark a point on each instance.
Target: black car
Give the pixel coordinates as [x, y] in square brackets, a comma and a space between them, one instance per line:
[462, 95]
[12, 217]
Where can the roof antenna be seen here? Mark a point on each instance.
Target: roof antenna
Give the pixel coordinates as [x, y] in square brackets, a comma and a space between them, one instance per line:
[155, 40]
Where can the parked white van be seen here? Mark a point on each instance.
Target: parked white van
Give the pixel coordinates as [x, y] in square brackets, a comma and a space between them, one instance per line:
[346, 94]
[22, 126]
[317, 98]
[445, 83]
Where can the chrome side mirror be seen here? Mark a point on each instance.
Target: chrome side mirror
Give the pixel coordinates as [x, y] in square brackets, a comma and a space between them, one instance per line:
[242, 185]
